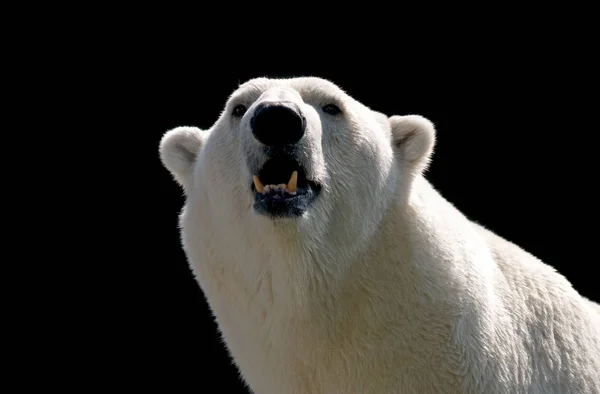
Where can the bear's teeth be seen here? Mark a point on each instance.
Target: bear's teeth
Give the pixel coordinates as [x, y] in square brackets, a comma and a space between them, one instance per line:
[290, 188]
[258, 184]
[293, 182]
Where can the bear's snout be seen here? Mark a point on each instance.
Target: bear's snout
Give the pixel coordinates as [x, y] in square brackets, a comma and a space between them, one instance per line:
[277, 124]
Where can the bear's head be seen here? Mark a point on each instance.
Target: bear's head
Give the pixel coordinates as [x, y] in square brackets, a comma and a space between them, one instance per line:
[299, 155]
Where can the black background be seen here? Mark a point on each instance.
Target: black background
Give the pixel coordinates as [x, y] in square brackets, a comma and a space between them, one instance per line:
[513, 153]
[106, 297]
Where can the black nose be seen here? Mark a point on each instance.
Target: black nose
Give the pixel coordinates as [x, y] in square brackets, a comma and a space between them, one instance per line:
[277, 124]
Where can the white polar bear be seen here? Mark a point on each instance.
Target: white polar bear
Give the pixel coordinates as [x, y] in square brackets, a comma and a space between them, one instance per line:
[333, 266]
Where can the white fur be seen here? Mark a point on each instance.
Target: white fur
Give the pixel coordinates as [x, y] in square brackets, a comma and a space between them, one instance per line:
[382, 286]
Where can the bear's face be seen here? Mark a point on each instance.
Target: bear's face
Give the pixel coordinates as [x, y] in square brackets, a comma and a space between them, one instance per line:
[299, 151]
[301, 145]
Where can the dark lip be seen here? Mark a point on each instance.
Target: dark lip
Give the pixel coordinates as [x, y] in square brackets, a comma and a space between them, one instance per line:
[289, 206]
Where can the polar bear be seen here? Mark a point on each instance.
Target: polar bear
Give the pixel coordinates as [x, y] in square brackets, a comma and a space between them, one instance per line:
[332, 265]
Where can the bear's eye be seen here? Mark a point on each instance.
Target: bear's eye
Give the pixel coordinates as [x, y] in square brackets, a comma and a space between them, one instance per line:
[332, 109]
[239, 111]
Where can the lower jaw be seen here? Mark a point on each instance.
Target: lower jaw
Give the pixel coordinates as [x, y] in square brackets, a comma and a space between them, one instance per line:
[291, 207]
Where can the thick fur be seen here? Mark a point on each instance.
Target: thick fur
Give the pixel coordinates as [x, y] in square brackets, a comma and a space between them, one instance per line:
[382, 286]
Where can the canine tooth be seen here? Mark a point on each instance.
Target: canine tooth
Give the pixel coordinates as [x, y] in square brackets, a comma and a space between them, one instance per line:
[293, 182]
[258, 184]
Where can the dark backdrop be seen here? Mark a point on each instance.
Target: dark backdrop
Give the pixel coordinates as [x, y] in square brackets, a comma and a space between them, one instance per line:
[509, 155]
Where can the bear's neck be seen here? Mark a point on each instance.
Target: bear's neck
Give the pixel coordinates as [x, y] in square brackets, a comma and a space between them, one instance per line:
[300, 271]
[286, 300]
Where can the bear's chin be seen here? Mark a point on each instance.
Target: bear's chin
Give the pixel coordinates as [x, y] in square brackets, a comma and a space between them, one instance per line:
[278, 204]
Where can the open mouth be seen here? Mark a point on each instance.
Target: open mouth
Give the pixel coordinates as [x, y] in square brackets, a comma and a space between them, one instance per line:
[281, 188]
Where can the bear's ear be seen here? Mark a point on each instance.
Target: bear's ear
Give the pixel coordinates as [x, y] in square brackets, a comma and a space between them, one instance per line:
[413, 138]
[179, 149]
